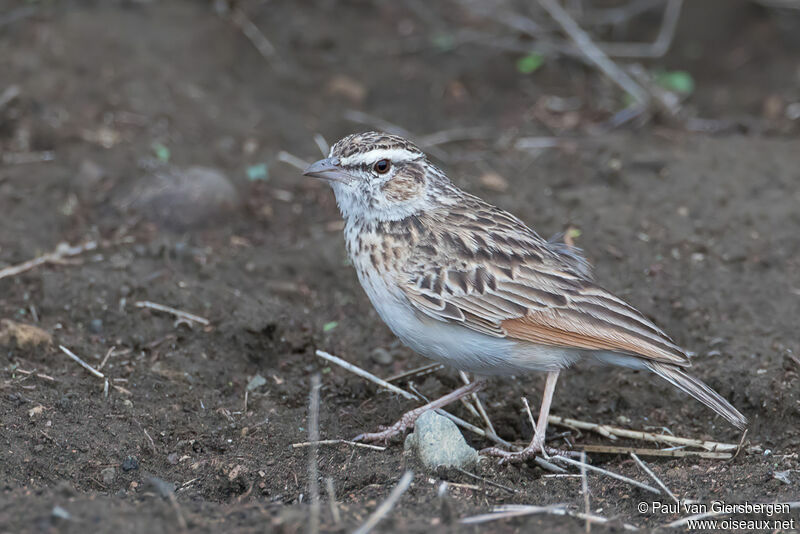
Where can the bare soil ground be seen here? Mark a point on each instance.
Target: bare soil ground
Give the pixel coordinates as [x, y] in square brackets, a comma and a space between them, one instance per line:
[700, 231]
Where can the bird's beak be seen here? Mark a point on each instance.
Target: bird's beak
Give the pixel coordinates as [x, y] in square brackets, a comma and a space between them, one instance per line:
[327, 169]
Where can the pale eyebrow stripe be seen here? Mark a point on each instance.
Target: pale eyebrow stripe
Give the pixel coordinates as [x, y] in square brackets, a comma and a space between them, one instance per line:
[392, 154]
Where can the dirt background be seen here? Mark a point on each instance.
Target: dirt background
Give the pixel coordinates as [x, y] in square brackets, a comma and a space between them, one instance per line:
[698, 229]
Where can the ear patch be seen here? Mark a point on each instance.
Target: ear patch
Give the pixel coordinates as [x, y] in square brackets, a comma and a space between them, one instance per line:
[408, 182]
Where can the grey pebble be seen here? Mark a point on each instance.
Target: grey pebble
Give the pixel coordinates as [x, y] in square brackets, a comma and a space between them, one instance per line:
[382, 356]
[96, 326]
[437, 441]
[130, 463]
[108, 474]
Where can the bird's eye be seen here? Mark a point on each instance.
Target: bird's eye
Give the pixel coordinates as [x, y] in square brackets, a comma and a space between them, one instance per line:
[382, 166]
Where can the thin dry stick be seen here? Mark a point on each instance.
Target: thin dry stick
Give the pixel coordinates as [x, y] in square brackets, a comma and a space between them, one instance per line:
[497, 513]
[105, 358]
[484, 480]
[294, 161]
[585, 489]
[684, 520]
[654, 477]
[664, 453]
[180, 314]
[34, 373]
[420, 371]
[313, 467]
[80, 362]
[387, 505]
[566, 511]
[593, 54]
[251, 31]
[479, 405]
[63, 250]
[338, 442]
[337, 518]
[365, 374]
[322, 144]
[657, 48]
[612, 432]
[608, 473]
[535, 428]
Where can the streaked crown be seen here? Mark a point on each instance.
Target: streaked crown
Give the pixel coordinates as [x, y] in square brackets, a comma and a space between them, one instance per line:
[366, 148]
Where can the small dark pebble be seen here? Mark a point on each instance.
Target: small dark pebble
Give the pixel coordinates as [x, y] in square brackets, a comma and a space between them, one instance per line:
[96, 326]
[130, 463]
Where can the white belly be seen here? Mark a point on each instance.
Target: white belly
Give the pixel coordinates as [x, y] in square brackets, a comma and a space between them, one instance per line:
[456, 345]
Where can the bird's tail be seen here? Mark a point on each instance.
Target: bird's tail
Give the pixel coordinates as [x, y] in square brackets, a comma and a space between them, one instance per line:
[699, 390]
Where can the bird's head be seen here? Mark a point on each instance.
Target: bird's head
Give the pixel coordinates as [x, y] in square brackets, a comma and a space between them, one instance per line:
[377, 176]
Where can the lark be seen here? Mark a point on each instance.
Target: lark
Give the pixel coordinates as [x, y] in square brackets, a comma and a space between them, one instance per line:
[469, 285]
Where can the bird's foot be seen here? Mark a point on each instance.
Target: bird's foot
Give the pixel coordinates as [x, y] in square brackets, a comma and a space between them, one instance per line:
[386, 433]
[529, 452]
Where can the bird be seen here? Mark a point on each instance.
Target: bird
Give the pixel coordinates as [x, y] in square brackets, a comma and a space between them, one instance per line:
[470, 285]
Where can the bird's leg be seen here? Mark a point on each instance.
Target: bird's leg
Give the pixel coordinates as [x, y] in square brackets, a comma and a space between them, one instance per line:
[410, 417]
[537, 443]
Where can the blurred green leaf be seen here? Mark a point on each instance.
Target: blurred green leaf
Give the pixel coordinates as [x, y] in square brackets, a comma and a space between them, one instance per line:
[574, 233]
[162, 152]
[327, 327]
[257, 172]
[530, 63]
[678, 81]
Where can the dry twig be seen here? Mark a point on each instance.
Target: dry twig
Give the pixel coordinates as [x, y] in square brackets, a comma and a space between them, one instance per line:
[484, 480]
[593, 54]
[180, 314]
[337, 518]
[664, 453]
[62, 251]
[337, 442]
[294, 161]
[611, 474]
[654, 477]
[80, 362]
[585, 489]
[313, 467]
[387, 505]
[519, 510]
[612, 432]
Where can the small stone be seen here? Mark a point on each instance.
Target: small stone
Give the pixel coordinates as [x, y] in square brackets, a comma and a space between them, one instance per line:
[381, 356]
[22, 335]
[96, 326]
[183, 199]
[349, 88]
[437, 441]
[108, 475]
[130, 463]
[60, 513]
[494, 182]
[256, 382]
[172, 458]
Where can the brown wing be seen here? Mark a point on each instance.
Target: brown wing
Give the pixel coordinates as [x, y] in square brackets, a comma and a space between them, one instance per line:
[486, 270]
